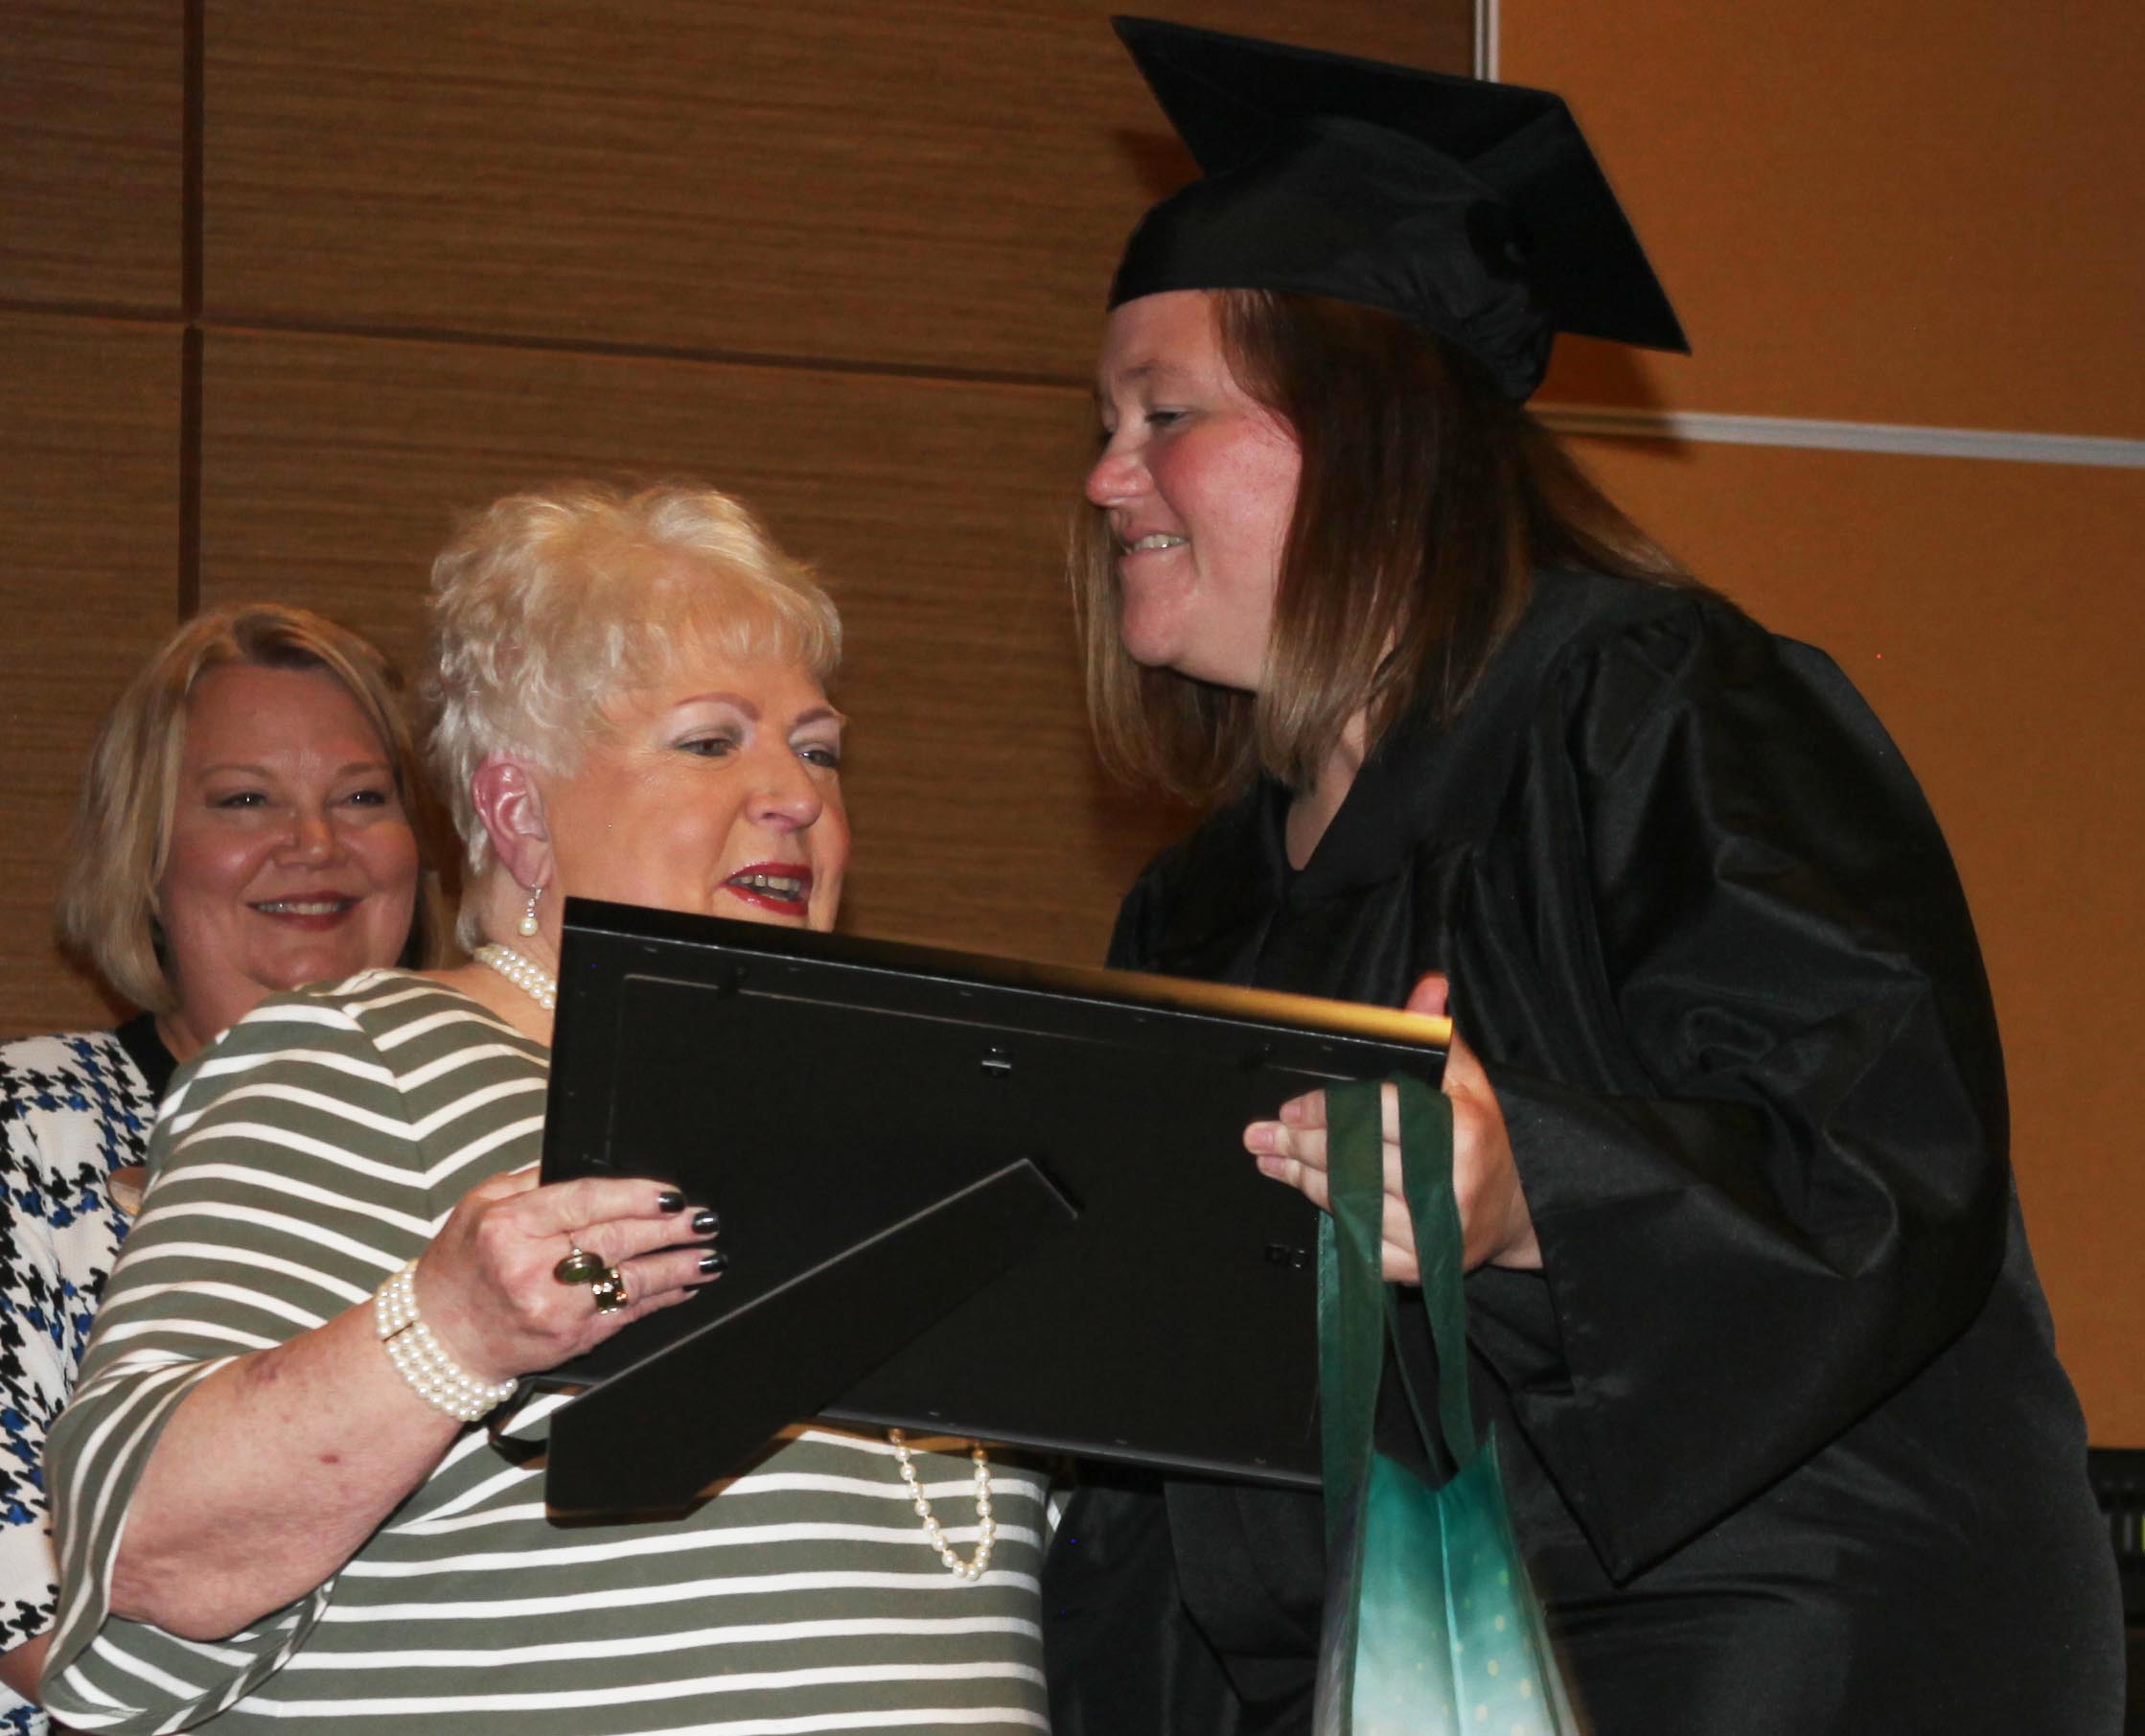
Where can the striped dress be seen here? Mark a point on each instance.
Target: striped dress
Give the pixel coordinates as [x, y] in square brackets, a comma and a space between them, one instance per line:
[319, 1145]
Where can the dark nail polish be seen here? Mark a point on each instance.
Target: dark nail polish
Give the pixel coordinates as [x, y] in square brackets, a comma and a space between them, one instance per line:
[713, 1261]
[706, 1221]
[670, 1200]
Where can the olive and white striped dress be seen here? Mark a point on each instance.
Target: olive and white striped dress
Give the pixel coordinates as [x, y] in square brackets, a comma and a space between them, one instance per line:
[303, 1158]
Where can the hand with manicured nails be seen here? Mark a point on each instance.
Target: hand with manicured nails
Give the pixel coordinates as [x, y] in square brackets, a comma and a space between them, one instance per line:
[1495, 1227]
[486, 1286]
[273, 1471]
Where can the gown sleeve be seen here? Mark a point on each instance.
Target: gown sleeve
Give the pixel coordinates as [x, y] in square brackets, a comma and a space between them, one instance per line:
[287, 1184]
[1795, 1192]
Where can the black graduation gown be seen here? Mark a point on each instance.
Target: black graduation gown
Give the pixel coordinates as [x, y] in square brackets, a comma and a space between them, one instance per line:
[1781, 1420]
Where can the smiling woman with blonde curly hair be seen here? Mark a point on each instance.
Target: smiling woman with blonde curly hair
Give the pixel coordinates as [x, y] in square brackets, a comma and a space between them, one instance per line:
[297, 1482]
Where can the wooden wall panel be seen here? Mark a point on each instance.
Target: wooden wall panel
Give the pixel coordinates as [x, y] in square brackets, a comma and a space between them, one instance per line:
[91, 121]
[1917, 211]
[333, 468]
[89, 520]
[1992, 615]
[938, 185]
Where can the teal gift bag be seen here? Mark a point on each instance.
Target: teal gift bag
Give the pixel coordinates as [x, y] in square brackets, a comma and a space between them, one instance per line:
[1431, 1625]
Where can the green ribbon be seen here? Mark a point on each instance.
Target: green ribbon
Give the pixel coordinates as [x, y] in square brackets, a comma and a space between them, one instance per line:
[1353, 1298]
[1431, 1624]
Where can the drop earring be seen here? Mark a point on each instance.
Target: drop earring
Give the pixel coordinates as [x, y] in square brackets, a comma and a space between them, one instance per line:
[527, 926]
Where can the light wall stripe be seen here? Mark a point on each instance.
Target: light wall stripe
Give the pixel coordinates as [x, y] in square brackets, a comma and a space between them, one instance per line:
[1845, 436]
[1485, 38]
[1807, 432]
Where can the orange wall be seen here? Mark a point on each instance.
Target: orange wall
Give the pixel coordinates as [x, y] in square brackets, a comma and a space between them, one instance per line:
[1924, 212]
[1917, 211]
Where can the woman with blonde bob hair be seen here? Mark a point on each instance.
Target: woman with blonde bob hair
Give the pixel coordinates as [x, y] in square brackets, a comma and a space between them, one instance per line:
[122, 830]
[253, 819]
[632, 705]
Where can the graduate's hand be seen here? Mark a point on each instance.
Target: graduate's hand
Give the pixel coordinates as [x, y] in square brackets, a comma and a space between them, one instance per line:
[1495, 1224]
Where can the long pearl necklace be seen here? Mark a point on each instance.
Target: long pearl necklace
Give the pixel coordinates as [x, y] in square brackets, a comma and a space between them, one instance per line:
[525, 974]
[986, 1527]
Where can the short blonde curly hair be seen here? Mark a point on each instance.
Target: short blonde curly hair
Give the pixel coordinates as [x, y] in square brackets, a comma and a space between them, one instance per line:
[549, 606]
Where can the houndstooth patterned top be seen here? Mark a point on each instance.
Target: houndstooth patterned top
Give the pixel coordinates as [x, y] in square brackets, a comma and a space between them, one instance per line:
[72, 1110]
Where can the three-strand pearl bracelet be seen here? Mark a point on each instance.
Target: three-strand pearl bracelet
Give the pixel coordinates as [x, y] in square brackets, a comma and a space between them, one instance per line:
[418, 1357]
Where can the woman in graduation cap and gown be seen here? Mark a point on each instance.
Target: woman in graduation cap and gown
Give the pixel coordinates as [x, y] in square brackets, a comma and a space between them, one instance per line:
[1780, 1418]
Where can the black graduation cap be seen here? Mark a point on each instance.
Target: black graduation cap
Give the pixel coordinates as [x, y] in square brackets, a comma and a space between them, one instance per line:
[1471, 209]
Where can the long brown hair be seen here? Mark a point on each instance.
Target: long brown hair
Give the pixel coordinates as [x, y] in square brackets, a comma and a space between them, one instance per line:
[1427, 504]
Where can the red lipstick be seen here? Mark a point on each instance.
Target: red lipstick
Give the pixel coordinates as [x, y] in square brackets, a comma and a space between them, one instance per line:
[782, 886]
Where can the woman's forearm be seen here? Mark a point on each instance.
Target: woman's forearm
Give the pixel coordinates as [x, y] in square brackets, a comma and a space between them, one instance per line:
[268, 1477]
[21, 1665]
[273, 1472]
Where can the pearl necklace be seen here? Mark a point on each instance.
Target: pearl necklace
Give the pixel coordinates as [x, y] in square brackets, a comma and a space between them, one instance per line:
[986, 1527]
[526, 975]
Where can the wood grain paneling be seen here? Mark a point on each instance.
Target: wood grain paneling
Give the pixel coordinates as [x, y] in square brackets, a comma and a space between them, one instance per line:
[333, 467]
[1921, 211]
[89, 520]
[1992, 615]
[91, 160]
[942, 184]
